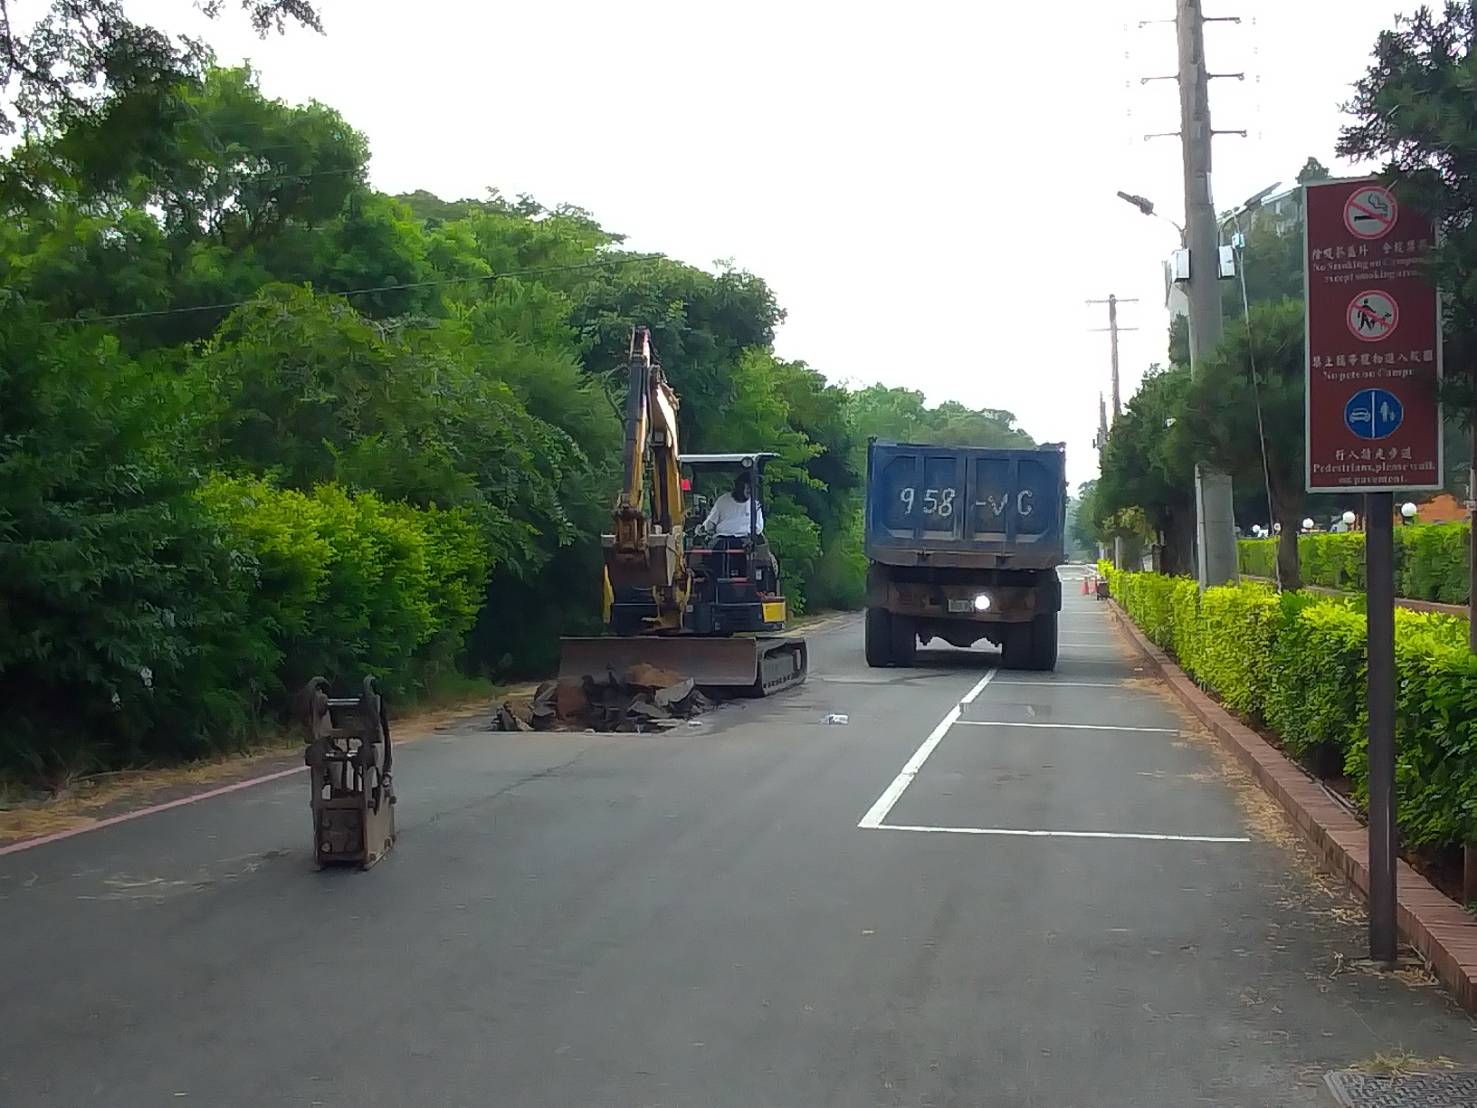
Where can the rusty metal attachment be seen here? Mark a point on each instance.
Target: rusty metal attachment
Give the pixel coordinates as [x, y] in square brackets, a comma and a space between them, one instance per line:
[349, 760]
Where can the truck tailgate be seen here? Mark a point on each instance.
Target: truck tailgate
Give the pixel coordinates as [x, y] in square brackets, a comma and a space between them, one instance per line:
[965, 506]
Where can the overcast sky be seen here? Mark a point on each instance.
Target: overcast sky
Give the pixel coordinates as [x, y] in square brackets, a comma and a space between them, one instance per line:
[928, 187]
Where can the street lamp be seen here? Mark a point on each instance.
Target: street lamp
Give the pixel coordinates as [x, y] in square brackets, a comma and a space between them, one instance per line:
[1408, 511]
[1308, 524]
[1253, 201]
[1238, 240]
[1146, 206]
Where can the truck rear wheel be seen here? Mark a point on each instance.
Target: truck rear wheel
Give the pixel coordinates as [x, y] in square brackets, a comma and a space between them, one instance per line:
[1015, 649]
[904, 640]
[878, 634]
[1043, 642]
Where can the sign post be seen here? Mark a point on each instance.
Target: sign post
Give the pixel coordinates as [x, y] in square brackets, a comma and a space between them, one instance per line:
[1373, 425]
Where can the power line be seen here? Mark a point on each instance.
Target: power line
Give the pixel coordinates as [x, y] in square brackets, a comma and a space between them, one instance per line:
[400, 287]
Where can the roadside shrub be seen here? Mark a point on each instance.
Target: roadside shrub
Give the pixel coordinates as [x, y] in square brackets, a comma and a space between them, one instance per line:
[121, 615]
[1298, 663]
[1430, 560]
[1335, 561]
[347, 584]
[1257, 557]
[1235, 634]
[1317, 670]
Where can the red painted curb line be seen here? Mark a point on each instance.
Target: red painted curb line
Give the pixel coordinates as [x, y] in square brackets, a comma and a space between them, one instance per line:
[1444, 933]
[139, 813]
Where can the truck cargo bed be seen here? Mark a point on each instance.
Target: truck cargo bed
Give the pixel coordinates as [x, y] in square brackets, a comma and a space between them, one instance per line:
[965, 507]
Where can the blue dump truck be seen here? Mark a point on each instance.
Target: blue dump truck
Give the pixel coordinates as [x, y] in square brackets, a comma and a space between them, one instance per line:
[962, 544]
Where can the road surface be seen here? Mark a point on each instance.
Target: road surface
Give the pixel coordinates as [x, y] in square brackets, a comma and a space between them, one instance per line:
[987, 888]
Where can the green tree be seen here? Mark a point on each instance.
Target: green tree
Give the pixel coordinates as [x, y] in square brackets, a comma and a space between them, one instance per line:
[1313, 170]
[83, 55]
[1413, 110]
[1243, 411]
[1143, 469]
[1271, 262]
[122, 614]
[1081, 535]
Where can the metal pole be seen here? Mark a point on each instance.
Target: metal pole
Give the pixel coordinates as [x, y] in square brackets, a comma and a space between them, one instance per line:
[1379, 572]
[1112, 302]
[1472, 537]
[1214, 514]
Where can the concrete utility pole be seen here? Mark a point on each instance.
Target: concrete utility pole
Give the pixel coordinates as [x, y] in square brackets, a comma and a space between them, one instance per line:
[1112, 328]
[1214, 517]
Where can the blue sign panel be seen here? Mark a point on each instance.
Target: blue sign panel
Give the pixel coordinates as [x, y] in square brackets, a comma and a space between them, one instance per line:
[1373, 413]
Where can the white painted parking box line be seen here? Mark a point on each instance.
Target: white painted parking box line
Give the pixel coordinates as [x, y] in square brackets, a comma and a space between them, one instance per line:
[1016, 832]
[1068, 726]
[1066, 684]
[878, 812]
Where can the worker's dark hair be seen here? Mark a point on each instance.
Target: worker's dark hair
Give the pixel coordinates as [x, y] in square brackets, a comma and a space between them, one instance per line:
[743, 484]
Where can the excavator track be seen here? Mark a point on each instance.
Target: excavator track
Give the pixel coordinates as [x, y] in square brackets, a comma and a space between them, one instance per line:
[783, 663]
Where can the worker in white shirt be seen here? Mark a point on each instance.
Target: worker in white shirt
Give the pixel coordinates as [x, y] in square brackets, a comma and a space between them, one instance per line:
[730, 514]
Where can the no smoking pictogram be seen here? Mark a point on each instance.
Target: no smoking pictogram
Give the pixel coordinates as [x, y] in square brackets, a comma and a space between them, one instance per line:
[1372, 315]
[1370, 213]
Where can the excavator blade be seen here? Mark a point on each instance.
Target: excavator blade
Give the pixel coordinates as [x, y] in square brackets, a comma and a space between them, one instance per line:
[757, 665]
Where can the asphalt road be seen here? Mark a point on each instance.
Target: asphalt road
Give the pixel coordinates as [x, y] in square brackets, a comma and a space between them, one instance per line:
[698, 919]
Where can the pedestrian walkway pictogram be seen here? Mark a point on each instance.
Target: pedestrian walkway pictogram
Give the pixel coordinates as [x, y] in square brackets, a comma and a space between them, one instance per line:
[1374, 413]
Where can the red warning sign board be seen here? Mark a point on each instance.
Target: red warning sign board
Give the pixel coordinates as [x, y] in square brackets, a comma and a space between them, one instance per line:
[1373, 342]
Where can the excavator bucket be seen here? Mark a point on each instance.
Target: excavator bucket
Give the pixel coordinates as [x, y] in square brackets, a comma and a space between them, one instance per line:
[752, 665]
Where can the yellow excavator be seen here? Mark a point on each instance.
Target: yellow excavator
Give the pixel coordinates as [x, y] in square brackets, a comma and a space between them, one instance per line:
[705, 607]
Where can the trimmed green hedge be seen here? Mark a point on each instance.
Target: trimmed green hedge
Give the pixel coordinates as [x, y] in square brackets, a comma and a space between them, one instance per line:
[1295, 663]
[1430, 560]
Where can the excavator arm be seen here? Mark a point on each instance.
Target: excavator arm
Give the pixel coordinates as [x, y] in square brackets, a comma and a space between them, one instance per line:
[645, 550]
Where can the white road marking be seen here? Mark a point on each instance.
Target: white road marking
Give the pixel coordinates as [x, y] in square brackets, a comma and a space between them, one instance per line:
[852, 680]
[878, 812]
[1069, 726]
[1065, 684]
[1016, 832]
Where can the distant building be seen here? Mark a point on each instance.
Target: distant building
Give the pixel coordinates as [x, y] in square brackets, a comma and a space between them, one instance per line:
[1284, 210]
[1442, 508]
[1176, 300]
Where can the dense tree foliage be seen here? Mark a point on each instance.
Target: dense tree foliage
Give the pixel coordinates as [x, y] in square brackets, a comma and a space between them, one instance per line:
[259, 421]
[1413, 110]
[1242, 411]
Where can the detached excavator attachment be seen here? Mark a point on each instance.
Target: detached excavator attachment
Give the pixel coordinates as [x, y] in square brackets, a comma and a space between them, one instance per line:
[352, 792]
[743, 664]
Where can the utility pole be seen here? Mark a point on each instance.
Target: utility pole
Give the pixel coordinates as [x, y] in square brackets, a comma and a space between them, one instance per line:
[1214, 515]
[1112, 328]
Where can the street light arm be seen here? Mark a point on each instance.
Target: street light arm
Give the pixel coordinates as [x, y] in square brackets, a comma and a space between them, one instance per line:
[1145, 205]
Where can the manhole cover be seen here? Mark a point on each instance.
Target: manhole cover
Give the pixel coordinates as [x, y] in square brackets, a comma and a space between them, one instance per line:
[1448, 1089]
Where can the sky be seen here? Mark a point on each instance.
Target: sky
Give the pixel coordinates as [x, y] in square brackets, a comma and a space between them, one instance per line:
[928, 187]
